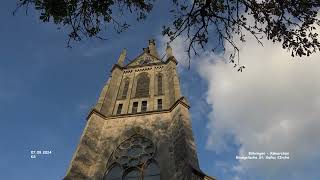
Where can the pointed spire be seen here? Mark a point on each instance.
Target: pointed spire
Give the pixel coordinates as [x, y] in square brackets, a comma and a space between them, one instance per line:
[152, 48]
[169, 51]
[122, 57]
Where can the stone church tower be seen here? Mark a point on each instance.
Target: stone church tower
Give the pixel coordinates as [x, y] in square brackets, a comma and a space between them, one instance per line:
[140, 128]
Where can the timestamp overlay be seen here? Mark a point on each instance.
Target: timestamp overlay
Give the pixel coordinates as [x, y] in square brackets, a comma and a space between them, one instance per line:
[265, 156]
[34, 154]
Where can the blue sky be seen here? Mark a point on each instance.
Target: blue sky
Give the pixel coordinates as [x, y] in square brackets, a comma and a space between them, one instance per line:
[46, 91]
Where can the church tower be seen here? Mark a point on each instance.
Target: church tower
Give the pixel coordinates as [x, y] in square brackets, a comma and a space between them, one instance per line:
[140, 128]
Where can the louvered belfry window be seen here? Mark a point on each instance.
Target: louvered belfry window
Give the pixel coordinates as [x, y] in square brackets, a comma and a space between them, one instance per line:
[135, 107]
[143, 82]
[119, 109]
[159, 104]
[144, 106]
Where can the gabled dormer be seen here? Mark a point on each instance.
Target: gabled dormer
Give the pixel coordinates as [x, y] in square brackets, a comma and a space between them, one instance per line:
[148, 56]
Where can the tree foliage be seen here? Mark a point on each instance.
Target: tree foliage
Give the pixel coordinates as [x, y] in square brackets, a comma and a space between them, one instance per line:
[290, 22]
[87, 18]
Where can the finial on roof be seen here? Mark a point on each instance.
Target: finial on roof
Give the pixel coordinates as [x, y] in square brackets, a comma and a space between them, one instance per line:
[152, 41]
[152, 48]
[169, 51]
[122, 57]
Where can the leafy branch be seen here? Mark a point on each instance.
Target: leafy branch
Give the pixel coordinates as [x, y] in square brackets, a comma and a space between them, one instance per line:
[291, 22]
[87, 18]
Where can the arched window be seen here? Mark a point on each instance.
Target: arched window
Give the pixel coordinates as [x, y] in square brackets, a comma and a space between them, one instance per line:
[125, 89]
[132, 174]
[151, 172]
[160, 84]
[115, 173]
[143, 82]
[133, 159]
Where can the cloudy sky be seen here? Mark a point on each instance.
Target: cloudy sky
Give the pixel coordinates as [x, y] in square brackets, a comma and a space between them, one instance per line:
[46, 91]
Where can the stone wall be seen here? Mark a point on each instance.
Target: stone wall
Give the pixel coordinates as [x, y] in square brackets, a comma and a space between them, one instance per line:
[86, 153]
[168, 130]
[112, 92]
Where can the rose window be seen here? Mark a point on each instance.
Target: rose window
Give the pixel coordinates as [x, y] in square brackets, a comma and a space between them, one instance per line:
[133, 160]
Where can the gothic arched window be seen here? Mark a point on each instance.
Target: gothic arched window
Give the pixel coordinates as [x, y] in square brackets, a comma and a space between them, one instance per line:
[151, 171]
[143, 82]
[114, 173]
[132, 174]
[133, 159]
[160, 84]
[125, 89]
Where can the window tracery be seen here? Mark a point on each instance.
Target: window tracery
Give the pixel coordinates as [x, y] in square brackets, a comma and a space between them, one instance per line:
[114, 173]
[143, 82]
[133, 159]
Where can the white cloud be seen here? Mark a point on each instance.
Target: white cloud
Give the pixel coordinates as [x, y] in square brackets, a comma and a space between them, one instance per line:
[179, 49]
[274, 105]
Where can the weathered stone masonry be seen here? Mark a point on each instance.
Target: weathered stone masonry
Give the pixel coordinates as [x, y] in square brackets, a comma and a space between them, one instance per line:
[144, 134]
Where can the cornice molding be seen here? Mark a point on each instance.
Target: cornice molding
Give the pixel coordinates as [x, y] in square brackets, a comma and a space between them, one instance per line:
[141, 55]
[172, 58]
[179, 101]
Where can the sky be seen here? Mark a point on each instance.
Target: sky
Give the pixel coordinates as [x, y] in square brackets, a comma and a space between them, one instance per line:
[47, 90]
